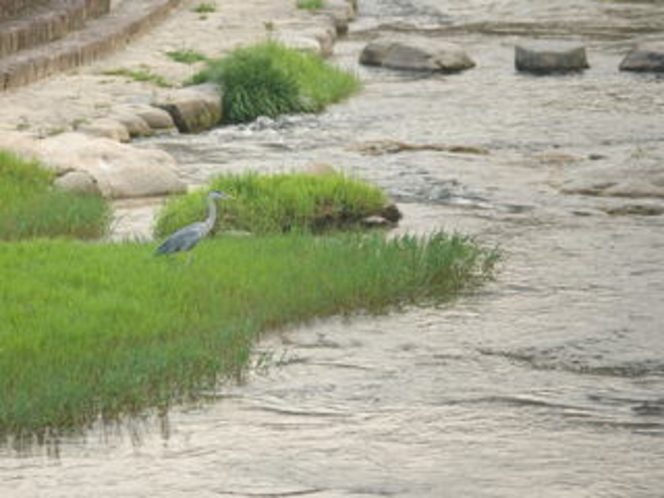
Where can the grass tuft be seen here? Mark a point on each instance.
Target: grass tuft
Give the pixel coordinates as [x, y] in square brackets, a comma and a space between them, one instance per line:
[90, 330]
[186, 56]
[140, 75]
[205, 8]
[269, 79]
[31, 207]
[310, 4]
[279, 203]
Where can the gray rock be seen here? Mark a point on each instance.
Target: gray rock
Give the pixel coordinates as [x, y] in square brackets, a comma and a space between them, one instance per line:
[646, 58]
[135, 125]
[550, 57]
[416, 54]
[106, 128]
[195, 108]
[156, 118]
[78, 181]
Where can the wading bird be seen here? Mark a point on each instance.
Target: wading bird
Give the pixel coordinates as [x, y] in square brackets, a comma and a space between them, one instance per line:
[187, 237]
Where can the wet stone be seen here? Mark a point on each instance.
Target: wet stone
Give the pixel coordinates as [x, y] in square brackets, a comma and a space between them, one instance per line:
[195, 108]
[550, 57]
[416, 54]
[646, 58]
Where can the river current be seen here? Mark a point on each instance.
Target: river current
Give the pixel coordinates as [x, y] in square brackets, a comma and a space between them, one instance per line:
[547, 382]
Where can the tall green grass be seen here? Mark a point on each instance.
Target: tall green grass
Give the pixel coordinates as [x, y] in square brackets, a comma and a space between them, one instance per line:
[279, 203]
[269, 79]
[31, 207]
[97, 330]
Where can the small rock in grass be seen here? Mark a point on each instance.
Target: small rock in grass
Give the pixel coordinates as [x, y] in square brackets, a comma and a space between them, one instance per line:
[78, 181]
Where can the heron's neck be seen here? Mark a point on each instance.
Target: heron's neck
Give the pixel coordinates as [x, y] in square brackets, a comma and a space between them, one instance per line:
[212, 215]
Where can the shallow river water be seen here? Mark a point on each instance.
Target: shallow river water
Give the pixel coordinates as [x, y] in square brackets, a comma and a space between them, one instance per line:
[547, 382]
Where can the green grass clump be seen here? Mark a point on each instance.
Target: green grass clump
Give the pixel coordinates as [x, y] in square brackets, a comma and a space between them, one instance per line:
[31, 207]
[186, 56]
[310, 4]
[205, 8]
[269, 79]
[90, 330]
[140, 75]
[279, 203]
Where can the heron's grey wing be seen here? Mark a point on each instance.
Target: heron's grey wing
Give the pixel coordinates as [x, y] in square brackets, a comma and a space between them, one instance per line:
[182, 240]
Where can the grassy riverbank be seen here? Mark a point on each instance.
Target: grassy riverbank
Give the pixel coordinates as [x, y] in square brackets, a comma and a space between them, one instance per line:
[31, 207]
[89, 330]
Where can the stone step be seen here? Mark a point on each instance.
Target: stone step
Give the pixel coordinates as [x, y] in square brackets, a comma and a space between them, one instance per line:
[43, 21]
[98, 38]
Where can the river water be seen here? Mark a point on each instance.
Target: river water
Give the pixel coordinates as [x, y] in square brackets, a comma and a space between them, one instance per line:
[548, 382]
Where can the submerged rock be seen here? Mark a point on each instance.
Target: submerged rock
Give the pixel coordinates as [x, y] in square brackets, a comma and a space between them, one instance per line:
[388, 146]
[550, 57]
[416, 54]
[646, 58]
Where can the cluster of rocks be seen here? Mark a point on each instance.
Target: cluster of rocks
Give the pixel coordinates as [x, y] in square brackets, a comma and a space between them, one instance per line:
[539, 57]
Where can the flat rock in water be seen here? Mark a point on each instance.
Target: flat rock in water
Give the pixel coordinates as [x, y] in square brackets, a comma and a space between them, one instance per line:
[646, 58]
[550, 57]
[416, 55]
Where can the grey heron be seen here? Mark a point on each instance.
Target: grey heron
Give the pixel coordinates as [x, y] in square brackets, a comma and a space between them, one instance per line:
[186, 238]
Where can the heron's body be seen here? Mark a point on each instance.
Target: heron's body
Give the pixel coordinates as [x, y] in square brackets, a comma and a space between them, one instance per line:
[186, 238]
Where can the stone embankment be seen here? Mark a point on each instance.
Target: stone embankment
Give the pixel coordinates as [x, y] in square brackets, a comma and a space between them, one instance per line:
[91, 154]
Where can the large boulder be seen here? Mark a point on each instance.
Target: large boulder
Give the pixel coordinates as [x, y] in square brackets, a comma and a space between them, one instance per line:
[646, 58]
[106, 128]
[193, 109]
[550, 57]
[416, 54]
[117, 170]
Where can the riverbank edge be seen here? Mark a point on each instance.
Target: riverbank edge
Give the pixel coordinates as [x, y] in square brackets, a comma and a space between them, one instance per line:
[179, 110]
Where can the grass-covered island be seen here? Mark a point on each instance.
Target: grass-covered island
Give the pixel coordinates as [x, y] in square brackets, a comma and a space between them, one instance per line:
[92, 330]
[270, 79]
